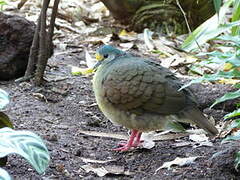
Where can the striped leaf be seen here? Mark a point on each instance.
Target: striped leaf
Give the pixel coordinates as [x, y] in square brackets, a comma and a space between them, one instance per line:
[4, 99]
[27, 144]
[209, 29]
[4, 175]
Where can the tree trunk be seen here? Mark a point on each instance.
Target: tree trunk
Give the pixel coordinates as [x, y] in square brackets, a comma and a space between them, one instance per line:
[160, 15]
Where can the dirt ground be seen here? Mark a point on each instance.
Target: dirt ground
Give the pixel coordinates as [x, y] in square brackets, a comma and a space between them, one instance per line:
[68, 106]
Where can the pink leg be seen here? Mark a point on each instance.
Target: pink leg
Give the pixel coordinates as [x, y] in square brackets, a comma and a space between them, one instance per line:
[134, 140]
[137, 140]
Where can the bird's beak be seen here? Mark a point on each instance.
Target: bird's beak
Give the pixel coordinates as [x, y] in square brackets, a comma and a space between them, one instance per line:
[99, 57]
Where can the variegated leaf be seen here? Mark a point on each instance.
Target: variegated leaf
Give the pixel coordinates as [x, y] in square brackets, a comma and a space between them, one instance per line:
[4, 175]
[4, 99]
[26, 144]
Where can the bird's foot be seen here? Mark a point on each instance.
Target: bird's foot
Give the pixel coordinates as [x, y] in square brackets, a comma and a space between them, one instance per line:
[125, 147]
[124, 143]
[122, 148]
[134, 141]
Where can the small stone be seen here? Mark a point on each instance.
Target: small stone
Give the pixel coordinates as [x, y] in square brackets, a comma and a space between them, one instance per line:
[52, 137]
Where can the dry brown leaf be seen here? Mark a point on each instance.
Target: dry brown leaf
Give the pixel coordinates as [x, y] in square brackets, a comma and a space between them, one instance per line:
[103, 170]
[179, 162]
[86, 160]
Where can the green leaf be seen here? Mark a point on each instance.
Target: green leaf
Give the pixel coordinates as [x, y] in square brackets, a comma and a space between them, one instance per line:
[208, 30]
[2, 3]
[234, 60]
[4, 99]
[203, 35]
[232, 114]
[213, 77]
[235, 124]
[234, 39]
[232, 138]
[237, 86]
[27, 144]
[235, 17]
[237, 160]
[227, 96]
[5, 121]
[4, 175]
[217, 5]
[194, 81]
[175, 126]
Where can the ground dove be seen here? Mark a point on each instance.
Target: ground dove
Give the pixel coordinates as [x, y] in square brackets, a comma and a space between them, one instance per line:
[142, 95]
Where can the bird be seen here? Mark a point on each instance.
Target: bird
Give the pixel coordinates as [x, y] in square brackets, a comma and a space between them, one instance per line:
[141, 95]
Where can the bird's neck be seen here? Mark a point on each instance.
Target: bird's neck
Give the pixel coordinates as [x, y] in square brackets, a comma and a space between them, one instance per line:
[116, 55]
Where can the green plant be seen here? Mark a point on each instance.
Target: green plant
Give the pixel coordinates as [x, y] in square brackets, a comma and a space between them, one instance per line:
[232, 58]
[24, 143]
[215, 25]
[2, 3]
[236, 136]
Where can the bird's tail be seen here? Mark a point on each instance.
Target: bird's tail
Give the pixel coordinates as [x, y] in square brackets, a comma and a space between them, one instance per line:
[197, 117]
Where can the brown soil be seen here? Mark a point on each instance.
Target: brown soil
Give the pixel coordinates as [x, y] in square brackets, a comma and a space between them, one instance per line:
[68, 106]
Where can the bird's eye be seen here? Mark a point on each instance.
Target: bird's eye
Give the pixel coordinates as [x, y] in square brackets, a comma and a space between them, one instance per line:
[105, 56]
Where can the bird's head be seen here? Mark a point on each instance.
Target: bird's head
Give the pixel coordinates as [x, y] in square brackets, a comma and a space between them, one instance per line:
[106, 53]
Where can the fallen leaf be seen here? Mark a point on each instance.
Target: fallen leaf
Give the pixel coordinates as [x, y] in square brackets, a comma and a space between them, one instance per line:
[148, 142]
[200, 140]
[127, 36]
[86, 160]
[102, 171]
[198, 137]
[229, 81]
[179, 162]
[80, 71]
[126, 46]
[148, 39]
[227, 67]
[40, 96]
[181, 144]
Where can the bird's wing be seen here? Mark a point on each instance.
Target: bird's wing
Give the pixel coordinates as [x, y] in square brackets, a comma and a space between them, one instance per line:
[137, 85]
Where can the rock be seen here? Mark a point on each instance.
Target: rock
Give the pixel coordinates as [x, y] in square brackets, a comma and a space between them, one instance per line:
[16, 37]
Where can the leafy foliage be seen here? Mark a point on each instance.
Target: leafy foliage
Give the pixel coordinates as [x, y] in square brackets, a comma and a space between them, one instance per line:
[214, 26]
[25, 143]
[2, 3]
[4, 175]
[217, 5]
[235, 17]
[227, 96]
[237, 160]
[236, 136]
[231, 57]
[4, 99]
[4, 119]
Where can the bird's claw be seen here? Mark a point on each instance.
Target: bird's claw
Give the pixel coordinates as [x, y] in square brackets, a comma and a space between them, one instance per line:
[124, 146]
